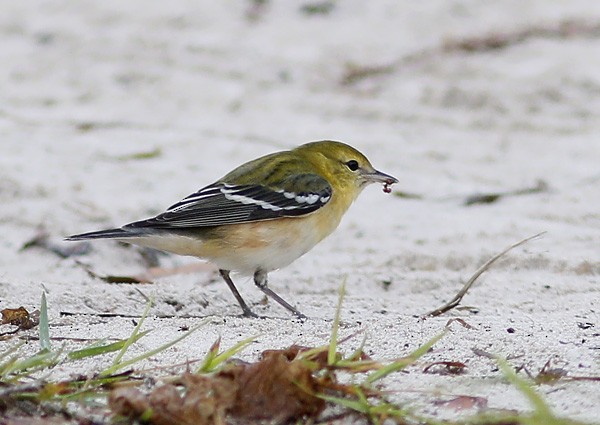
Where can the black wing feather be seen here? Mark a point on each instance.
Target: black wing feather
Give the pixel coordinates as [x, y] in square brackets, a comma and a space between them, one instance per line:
[222, 203]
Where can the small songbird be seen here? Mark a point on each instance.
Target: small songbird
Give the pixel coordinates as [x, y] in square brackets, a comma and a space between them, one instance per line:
[261, 216]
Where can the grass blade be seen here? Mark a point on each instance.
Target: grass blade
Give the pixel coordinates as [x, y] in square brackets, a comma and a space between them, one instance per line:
[97, 350]
[44, 326]
[118, 366]
[134, 334]
[213, 360]
[31, 364]
[405, 361]
[356, 405]
[332, 352]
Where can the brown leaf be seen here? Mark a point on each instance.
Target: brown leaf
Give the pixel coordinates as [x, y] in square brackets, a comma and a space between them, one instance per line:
[277, 389]
[204, 402]
[167, 407]
[128, 402]
[208, 399]
[19, 317]
[292, 352]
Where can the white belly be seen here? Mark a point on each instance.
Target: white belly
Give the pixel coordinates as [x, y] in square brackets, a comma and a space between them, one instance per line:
[247, 247]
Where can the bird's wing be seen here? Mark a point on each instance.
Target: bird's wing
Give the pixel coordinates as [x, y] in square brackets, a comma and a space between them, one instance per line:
[222, 203]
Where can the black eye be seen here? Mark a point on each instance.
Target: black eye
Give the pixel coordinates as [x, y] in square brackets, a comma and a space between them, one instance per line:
[352, 164]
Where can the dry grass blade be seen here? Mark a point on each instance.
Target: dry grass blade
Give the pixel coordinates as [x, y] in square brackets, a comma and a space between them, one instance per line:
[459, 296]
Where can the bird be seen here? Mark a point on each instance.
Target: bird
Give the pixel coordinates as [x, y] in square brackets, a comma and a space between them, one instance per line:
[261, 216]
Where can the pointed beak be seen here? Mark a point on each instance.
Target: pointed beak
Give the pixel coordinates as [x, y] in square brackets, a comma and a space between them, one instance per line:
[379, 177]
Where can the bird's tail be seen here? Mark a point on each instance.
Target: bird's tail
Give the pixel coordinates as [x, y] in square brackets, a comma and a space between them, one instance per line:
[103, 234]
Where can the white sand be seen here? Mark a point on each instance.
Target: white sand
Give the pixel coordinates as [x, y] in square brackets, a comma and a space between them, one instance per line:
[84, 83]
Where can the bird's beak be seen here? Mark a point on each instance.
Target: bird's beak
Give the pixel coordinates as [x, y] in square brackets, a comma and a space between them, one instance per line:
[379, 177]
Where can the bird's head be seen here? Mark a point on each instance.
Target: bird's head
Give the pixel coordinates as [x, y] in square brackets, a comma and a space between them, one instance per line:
[344, 166]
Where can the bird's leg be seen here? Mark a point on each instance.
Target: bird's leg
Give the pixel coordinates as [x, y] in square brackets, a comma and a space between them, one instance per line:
[236, 294]
[260, 279]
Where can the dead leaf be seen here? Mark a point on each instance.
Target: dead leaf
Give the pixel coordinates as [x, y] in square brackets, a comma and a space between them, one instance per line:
[204, 401]
[20, 317]
[292, 352]
[208, 399]
[278, 388]
[128, 402]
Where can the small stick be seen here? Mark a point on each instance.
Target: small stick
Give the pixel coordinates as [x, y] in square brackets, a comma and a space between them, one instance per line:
[133, 316]
[459, 296]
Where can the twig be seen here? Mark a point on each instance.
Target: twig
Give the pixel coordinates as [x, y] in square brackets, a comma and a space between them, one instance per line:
[78, 313]
[7, 333]
[135, 316]
[459, 296]
[66, 338]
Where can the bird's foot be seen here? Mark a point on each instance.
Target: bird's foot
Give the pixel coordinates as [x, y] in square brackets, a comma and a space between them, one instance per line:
[249, 313]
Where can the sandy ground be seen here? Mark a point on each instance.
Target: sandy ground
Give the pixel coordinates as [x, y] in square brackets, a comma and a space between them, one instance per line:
[85, 85]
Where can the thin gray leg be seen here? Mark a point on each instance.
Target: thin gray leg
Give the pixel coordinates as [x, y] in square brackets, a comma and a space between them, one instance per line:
[236, 294]
[260, 279]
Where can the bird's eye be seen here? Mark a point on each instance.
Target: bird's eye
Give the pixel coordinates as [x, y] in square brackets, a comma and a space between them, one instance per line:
[352, 164]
